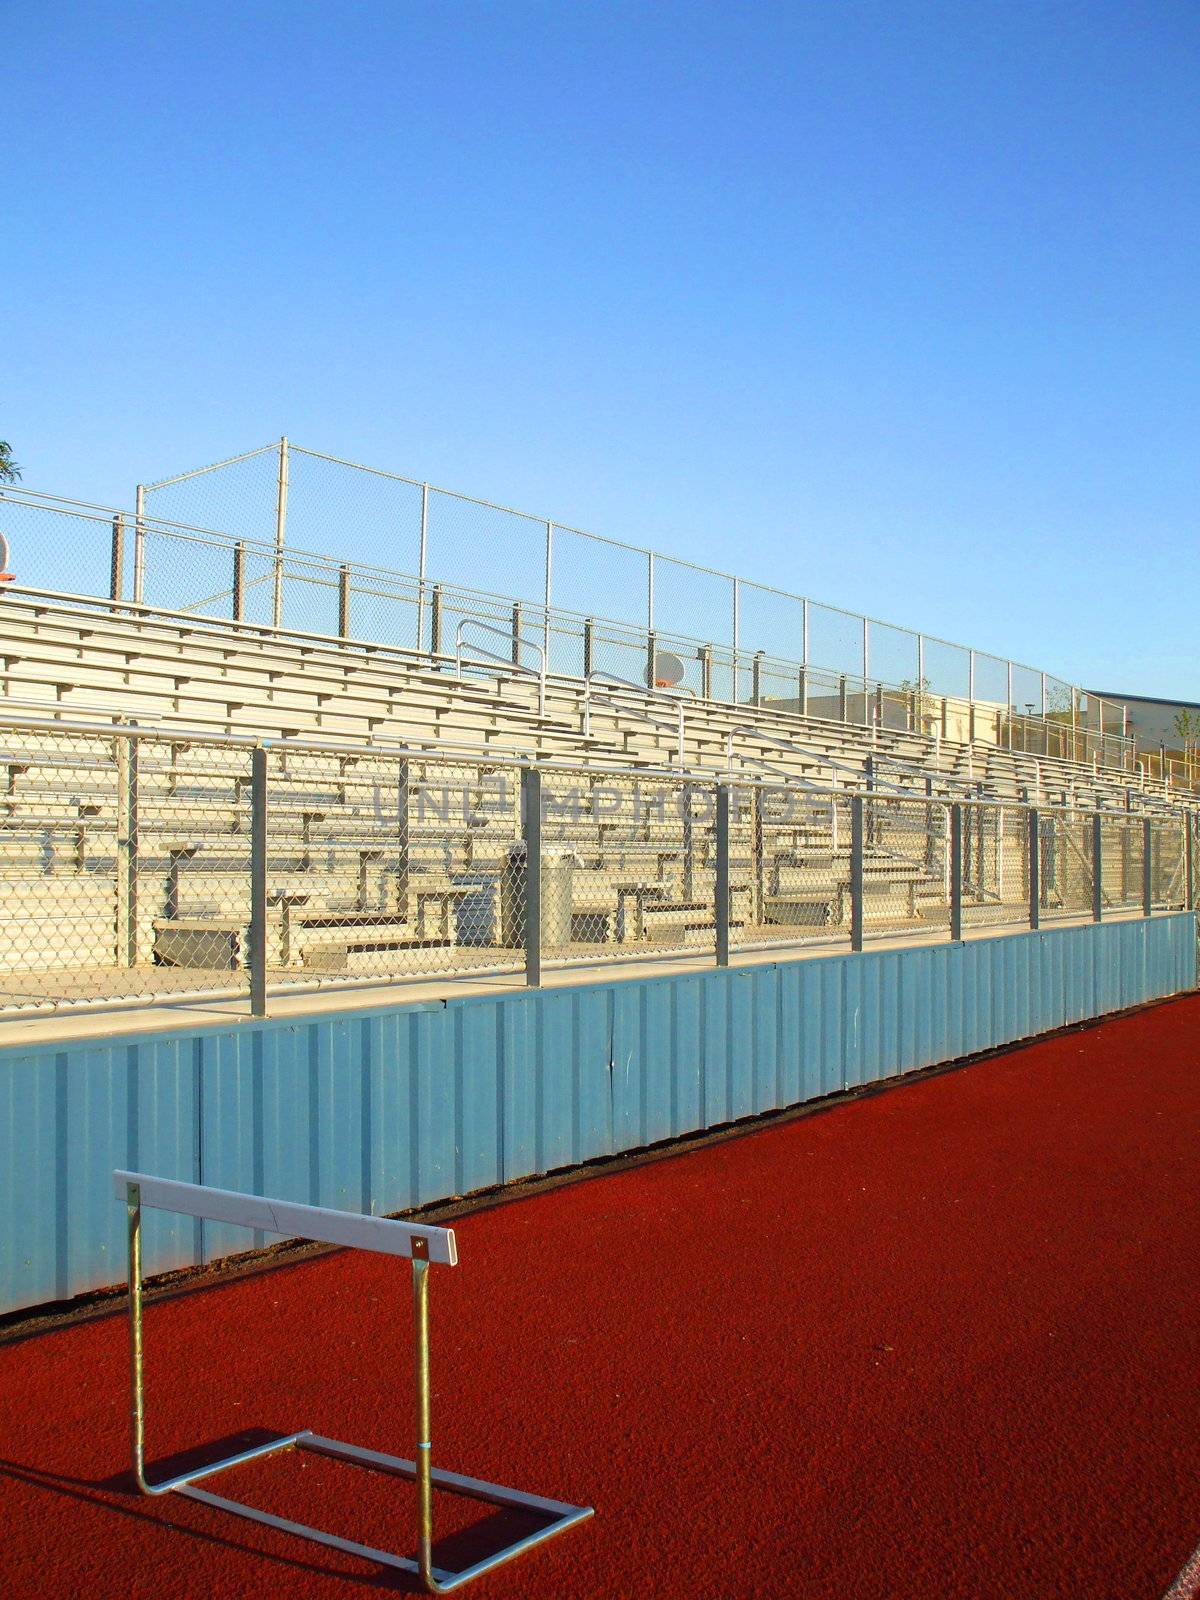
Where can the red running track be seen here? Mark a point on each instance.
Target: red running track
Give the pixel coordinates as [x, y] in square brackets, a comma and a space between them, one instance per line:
[942, 1343]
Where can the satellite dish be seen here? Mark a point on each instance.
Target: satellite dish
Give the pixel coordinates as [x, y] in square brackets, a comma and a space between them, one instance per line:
[668, 670]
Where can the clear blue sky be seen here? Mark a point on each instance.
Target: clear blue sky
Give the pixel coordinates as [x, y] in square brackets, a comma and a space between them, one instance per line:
[894, 304]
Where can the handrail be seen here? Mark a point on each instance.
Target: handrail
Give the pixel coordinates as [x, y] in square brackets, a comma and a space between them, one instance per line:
[506, 661]
[638, 716]
[816, 755]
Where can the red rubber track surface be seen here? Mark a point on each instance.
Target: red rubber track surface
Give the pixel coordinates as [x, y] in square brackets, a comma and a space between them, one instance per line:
[940, 1342]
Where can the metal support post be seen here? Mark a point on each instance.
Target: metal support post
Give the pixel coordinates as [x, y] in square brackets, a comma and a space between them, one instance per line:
[803, 686]
[759, 854]
[706, 672]
[549, 590]
[127, 850]
[1097, 868]
[281, 499]
[651, 659]
[956, 872]
[1147, 867]
[1035, 870]
[588, 647]
[424, 1451]
[721, 890]
[258, 881]
[856, 872]
[842, 704]
[344, 602]
[688, 804]
[531, 816]
[116, 585]
[650, 591]
[1189, 864]
[422, 551]
[137, 1415]
[756, 679]
[516, 633]
[435, 621]
[139, 546]
[239, 581]
[403, 859]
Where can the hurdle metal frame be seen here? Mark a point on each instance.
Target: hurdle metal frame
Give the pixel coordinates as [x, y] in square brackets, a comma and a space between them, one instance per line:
[425, 1246]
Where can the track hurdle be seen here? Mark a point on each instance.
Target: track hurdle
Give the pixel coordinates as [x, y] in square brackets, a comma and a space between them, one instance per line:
[426, 1247]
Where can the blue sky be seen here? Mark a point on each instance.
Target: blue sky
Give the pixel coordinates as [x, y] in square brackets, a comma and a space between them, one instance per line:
[893, 304]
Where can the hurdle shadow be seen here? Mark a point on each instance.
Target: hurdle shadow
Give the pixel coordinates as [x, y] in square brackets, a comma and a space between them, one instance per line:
[452, 1552]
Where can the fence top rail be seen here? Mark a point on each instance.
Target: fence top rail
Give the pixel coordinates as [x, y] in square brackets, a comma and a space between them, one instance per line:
[384, 1235]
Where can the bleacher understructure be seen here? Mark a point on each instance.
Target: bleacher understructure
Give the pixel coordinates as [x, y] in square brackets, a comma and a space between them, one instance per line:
[395, 841]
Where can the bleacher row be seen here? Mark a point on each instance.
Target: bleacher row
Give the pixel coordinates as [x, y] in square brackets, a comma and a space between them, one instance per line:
[396, 849]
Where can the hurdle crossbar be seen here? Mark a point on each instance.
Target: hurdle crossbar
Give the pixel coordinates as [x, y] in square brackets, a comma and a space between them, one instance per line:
[424, 1246]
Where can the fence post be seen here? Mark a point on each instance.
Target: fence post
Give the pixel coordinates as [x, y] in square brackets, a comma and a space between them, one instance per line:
[588, 647]
[435, 621]
[344, 602]
[531, 819]
[281, 499]
[116, 586]
[842, 698]
[516, 633]
[721, 886]
[706, 672]
[756, 679]
[956, 872]
[803, 686]
[239, 581]
[139, 545]
[689, 841]
[127, 850]
[258, 881]
[856, 872]
[422, 550]
[1147, 867]
[1189, 866]
[549, 590]
[403, 859]
[1097, 868]
[1035, 870]
[651, 659]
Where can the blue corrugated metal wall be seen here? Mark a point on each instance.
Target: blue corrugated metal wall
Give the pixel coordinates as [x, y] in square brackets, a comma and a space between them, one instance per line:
[383, 1110]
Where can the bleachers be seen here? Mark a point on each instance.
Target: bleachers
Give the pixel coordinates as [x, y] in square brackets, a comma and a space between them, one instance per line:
[86, 658]
[395, 821]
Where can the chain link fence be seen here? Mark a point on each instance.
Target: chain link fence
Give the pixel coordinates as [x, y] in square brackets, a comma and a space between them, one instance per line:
[285, 495]
[139, 865]
[837, 667]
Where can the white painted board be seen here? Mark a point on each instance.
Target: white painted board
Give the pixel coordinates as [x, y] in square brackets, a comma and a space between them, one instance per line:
[382, 1234]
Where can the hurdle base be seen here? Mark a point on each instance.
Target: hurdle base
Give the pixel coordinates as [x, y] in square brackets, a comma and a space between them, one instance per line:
[562, 1516]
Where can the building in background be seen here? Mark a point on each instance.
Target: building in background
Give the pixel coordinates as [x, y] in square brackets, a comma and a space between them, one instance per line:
[1159, 723]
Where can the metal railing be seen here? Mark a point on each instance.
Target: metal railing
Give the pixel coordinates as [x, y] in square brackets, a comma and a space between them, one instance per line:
[85, 549]
[143, 863]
